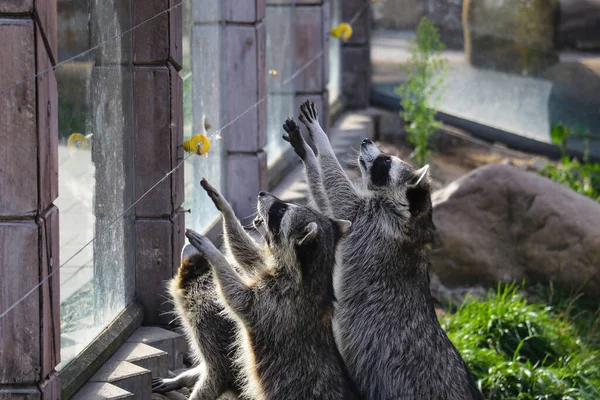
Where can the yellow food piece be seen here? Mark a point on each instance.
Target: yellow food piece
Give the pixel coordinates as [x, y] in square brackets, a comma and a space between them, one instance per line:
[77, 140]
[342, 31]
[199, 144]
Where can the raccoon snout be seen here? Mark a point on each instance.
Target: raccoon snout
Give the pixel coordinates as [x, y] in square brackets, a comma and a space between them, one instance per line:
[366, 142]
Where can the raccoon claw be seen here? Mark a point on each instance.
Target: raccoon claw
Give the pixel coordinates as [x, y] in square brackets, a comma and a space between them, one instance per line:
[201, 243]
[214, 195]
[309, 112]
[159, 386]
[291, 126]
[294, 137]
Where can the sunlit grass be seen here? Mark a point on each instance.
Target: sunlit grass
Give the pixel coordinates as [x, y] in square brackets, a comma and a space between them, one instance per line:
[522, 350]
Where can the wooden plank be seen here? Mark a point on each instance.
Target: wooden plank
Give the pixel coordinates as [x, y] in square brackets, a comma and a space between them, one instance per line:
[18, 152]
[47, 19]
[178, 239]
[152, 133]
[153, 267]
[356, 84]
[178, 184]
[47, 127]
[151, 38]
[50, 316]
[51, 388]
[20, 328]
[241, 88]
[246, 176]
[16, 6]
[176, 33]
[309, 42]
[261, 65]
[361, 30]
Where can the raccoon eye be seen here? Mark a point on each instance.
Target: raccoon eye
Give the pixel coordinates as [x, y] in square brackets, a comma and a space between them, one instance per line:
[281, 212]
[388, 160]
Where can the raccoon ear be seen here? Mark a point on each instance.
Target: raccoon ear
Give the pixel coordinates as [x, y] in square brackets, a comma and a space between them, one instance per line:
[342, 225]
[310, 233]
[420, 178]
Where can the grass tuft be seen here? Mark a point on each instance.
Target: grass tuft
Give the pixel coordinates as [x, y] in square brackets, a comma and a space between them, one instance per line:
[522, 350]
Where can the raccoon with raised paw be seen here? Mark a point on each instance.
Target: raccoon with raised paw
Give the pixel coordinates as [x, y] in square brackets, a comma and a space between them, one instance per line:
[286, 342]
[210, 334]
[386, 326]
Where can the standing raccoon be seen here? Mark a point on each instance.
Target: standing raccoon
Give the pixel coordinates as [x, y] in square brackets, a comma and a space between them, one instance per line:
[288, 350]
[386, 326]
[209, 333]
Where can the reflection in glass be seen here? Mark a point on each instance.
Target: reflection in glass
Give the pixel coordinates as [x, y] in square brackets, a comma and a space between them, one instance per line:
[95, 168]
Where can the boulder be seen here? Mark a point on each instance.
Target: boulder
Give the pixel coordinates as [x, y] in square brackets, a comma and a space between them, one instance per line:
[500, 223]
[514, 36]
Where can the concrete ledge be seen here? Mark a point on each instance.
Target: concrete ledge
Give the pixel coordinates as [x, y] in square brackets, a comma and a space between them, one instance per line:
[142, 355]
[127, 376]
[170, 342]
[99, 391]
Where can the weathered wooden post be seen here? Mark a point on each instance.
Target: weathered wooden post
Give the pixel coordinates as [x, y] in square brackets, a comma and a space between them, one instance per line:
[29, 246]
[158, 131]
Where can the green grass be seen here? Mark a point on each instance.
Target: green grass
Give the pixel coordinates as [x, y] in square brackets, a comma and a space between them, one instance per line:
[519, 349]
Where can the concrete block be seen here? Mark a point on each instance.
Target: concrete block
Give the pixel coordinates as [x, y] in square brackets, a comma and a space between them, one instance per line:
[151, 39]
[152, 131]
[20, 328]
[172, 343]
[242, 11]
[246, 176]
[207, 11]
[127, 376]
[102, 391]
[356, 82]
[142, 355]
[47, 126]
[18, 133]
[153, 266]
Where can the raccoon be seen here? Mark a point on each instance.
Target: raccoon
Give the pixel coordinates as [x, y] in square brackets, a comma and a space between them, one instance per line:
[287, 348]
[210, 334]
[386, 326]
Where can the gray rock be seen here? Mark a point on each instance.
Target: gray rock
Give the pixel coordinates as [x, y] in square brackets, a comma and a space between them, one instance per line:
[500, 223]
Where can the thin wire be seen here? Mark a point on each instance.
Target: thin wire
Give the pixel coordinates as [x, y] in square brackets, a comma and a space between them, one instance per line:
[68, 60]
[112, 222]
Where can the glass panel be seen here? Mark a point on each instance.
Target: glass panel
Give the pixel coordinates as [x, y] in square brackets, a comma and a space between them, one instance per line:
[519, 66]
[281, 64]
[95, 168]
[202, 44]
[335, 54]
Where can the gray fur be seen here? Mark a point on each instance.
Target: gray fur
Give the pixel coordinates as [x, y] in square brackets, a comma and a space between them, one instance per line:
[287, 347]
[210, 334]
[386, 326]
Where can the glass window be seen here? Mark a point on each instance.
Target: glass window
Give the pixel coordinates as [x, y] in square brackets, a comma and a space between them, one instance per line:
[520, 67]
[95, 167]
[201, 73]
[281, 64]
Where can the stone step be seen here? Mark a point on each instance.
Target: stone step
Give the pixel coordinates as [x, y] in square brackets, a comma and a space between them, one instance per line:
[142, 355]
[127, 376]
[102, 390]
[170, 342]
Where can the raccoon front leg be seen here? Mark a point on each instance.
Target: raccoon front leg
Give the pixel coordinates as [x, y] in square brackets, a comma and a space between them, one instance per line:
[341, 193]
[209, 387]
[243, 248]
[311, 165]
[235, 292]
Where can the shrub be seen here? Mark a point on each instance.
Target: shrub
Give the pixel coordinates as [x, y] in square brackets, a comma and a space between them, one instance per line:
[420, 92]
[519, 350]
[584, 178]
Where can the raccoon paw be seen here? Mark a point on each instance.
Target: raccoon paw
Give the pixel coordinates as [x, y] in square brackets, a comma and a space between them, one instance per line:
[294, 137]
[160, 385]
[309, 115]
[214, 195]
[201, 243]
